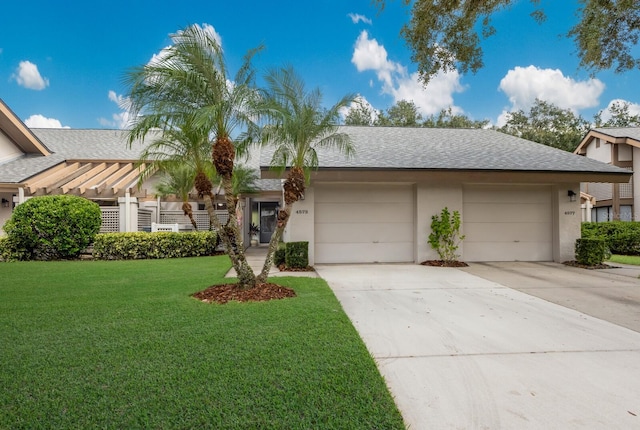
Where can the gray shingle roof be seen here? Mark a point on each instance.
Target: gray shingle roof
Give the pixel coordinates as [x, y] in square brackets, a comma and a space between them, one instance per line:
[376, 148]
[70, 144]
[445, 149]
[631, 132]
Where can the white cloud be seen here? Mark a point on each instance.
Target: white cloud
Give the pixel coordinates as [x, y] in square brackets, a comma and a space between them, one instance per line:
[524, 84]
[432, 98]
[28, 76]
[120, 119]
[634, 108]
[359, 100]
[40, 121]
[368, 54]
[356, 18]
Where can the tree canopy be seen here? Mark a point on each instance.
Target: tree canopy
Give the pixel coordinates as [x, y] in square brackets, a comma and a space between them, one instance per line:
[548, 124]
[446, 34]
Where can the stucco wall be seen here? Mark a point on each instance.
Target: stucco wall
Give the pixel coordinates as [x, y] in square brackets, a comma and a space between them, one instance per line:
[603, 153]
[8, 149]
[567, 220]
[300, 225]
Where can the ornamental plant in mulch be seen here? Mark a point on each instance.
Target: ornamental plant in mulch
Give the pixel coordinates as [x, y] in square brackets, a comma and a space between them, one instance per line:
[445, 238]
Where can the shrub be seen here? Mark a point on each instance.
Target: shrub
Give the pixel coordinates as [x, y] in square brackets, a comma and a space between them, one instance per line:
[279, 257]
[591, 251]
[140, 245]
[52, 228]
[297, 255]
[445, 234]
[621, 237]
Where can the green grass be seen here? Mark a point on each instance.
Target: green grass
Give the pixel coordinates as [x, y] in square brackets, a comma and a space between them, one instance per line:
[625, 259]
[120, 344]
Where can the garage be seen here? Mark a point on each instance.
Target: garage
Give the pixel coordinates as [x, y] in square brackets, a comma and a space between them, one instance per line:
[507, 223]
[364, 223]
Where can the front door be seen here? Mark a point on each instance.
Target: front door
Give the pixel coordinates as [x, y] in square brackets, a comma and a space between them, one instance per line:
[268, 219]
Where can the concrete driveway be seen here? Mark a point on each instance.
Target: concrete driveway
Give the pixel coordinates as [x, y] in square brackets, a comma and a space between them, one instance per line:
[459, 351]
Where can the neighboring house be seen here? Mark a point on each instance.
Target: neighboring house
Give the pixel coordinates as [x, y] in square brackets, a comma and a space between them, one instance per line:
[518, 200]
[618, 146]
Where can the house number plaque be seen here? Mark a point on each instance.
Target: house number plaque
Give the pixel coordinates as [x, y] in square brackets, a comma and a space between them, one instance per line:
[302, 211]
[569, 212]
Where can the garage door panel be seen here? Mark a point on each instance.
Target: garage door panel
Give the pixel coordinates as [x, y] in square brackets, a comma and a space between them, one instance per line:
[507, 223]
[523, 195]
[504, 212]
[363, 233]
[360, 223]
[381, 193]
[496, 251]
[398, 252]
[507, 232]
[362, 213]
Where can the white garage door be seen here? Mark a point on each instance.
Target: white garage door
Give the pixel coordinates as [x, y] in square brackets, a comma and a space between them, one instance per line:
[507, 223]
[363, 223]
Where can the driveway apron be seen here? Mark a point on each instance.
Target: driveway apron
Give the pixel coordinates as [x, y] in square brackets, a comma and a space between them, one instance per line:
[461, 352]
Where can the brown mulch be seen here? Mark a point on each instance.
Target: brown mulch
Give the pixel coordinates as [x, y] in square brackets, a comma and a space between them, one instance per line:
[574, 263]
[227, 292]
[442, 263]
[284, 268]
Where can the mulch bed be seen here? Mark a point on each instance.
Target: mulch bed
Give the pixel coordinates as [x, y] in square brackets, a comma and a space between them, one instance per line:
[442, 263]
[574, 263]
[284, 268]
[226, 292]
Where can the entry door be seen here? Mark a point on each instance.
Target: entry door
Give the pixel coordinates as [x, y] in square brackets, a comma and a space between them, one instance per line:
[268, 219]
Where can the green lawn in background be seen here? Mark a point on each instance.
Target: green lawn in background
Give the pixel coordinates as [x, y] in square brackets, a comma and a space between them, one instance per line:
[121, 344]
[625, 259]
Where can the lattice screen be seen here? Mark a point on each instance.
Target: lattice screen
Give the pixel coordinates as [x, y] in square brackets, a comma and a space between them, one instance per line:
[110, 220]
[201, 217]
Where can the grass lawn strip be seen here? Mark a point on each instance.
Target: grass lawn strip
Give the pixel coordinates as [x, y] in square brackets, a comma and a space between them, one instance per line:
[625, 259]
[120, 344]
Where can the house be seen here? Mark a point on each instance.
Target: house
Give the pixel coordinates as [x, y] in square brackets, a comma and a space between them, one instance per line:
[517, 199]
[100, 166]
[618, 146]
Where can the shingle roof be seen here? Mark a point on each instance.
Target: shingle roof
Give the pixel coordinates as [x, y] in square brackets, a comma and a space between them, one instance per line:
[630, 132]
[376, 148]
[446, 149]
[70, 144]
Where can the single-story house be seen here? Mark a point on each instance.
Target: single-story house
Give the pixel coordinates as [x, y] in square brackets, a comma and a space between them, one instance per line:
[618, 146]
[518, 200]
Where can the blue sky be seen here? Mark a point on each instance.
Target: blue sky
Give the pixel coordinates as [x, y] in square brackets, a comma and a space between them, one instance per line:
[61, 65]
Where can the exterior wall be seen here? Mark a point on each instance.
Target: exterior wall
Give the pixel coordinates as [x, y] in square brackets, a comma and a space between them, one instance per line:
[601, 153]
[301, 223]
[431, 198]
[566, 222]
[8, 149]
[624, 152]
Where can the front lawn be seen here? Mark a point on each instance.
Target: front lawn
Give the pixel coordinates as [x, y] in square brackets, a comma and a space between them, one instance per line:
[625, 259]
[121, 344]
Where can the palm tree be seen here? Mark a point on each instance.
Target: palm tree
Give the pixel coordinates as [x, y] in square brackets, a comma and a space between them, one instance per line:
[188, 85]
[300, 125]
[178, 179]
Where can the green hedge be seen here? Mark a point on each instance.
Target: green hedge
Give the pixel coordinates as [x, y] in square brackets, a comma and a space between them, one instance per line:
[133, 246]
[280, 255]
[51, 228]
[621, 237]
[297, 255]
[591, 251]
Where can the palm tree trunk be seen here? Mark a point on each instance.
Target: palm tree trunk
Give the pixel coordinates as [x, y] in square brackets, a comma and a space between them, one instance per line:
[283, 219]
[235, 250]
[188, 211]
